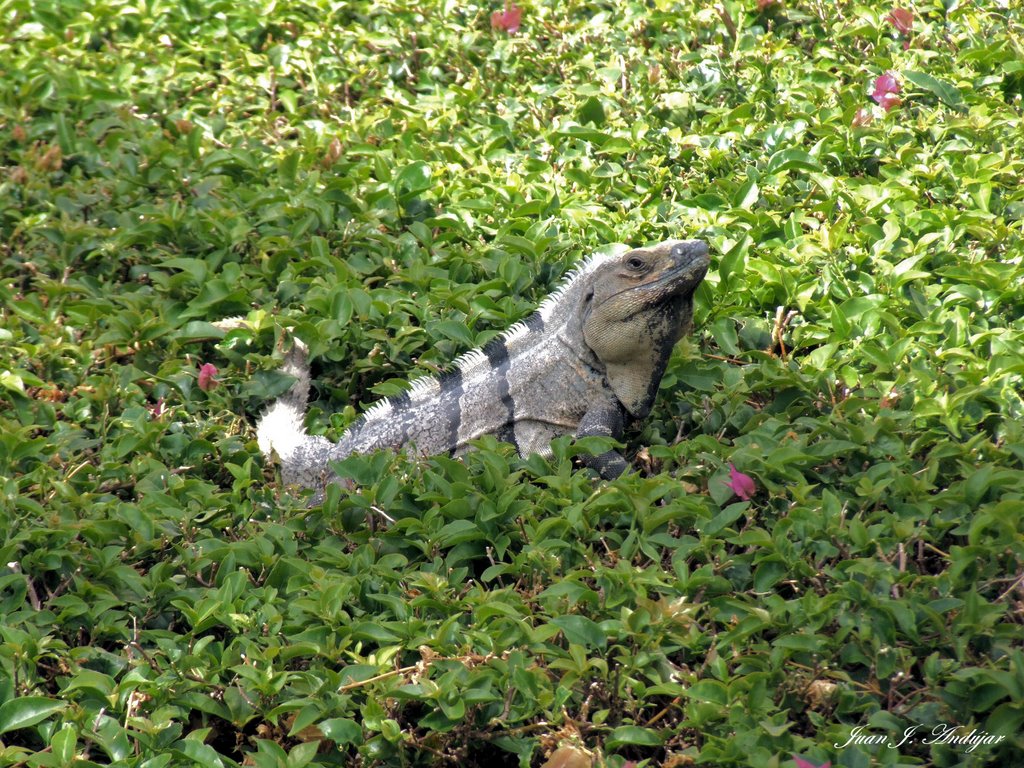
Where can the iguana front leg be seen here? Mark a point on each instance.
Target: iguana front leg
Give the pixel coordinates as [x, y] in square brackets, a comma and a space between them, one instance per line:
[606, 418]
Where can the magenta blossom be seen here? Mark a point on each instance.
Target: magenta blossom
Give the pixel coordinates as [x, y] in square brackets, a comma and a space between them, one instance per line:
[509, 19]
[886, 88]
[157, 410]
[902, 19]
[207, 374]
[801, 763]
[742, 485]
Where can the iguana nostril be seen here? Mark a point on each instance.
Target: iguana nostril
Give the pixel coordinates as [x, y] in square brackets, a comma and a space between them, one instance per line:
[691, 249]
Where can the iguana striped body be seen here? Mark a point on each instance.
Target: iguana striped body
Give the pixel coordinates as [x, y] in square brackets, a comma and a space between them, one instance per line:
[586, 362]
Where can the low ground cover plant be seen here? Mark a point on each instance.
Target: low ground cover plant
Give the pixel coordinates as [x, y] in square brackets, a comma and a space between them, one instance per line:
[818, 557]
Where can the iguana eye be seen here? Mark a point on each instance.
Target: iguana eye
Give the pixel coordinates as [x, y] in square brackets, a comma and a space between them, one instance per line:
[635, 263]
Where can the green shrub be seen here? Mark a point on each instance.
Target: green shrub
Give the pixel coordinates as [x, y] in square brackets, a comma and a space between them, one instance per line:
[397, 182]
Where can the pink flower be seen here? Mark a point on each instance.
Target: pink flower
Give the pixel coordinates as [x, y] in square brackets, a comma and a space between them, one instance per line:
[157, 410]
[801, 763]
[762, 4]
[886, 88]
[207, 372]
[507, 20]
[902, 19]
[742, 485]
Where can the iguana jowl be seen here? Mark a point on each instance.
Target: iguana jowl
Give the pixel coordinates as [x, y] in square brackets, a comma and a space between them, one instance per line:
[585, 363]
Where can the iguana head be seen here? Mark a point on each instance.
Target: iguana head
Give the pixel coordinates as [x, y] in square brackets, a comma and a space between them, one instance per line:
[636, 307]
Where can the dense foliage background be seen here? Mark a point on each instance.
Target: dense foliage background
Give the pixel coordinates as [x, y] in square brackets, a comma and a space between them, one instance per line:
[395, 182]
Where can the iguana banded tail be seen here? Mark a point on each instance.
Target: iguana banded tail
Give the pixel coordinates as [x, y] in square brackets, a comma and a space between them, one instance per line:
[585, 363]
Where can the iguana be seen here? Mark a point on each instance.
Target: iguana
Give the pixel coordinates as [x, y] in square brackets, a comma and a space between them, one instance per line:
[588, 361]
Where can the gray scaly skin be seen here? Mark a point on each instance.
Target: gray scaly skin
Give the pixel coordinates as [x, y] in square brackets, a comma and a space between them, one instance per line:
[587, 362]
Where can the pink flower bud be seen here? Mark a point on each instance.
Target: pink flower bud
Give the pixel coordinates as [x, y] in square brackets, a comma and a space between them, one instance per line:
[886, 88]
[507, 20]
[801, 763]
[742, 485]
[207, 372]
[902, 19]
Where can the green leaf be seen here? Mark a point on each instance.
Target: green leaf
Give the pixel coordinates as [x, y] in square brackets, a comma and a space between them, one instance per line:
[800, 642]
[368, 630]
[586, 134]
[581, 631]
[26, 711]
[853, 309]
[592, 111]
[412, 180]
[202, 754]
[65, 134]
[1006, 719]
[729, 514]
[302, 755]
[198, 330]
[946, 92]
[12, 382]
[733, 263]
[708, 690]
[287, 168]
[342, 731]
[746, 195]
[64, 743]
[306, 717]
[768, 574]
[626, 735]
[88, 679]
[791, 159]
